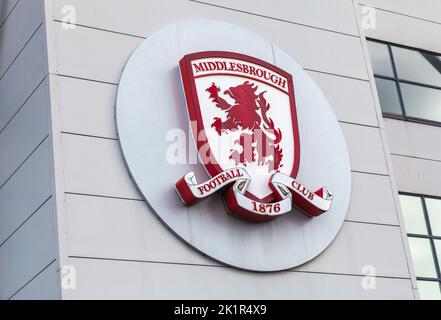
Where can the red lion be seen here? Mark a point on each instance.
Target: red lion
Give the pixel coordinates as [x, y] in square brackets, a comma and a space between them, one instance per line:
[249, 112]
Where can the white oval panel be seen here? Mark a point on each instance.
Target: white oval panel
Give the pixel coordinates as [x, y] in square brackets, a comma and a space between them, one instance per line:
[150, 106]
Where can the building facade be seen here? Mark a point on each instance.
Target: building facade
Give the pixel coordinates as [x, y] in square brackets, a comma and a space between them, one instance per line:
[72, 223]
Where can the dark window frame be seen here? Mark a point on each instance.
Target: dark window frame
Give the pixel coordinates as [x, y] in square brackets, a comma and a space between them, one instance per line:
[397, 81]
[429, 236]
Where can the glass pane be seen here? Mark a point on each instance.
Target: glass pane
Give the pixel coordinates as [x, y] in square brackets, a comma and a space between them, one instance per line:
[380, 58]
[388, 95]
[413, 214]
[434, 211]
[435, 61]
[422, 257]
[412, 65]
[429, 290]
[421, 102]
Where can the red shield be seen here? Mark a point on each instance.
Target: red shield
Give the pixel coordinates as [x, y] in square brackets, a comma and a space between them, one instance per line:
[243, 114]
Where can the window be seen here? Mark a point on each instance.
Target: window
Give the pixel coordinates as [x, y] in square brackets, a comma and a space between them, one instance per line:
[422, 220]
[408, 82]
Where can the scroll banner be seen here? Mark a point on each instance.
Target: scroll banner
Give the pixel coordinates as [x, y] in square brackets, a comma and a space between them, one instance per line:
[286, 189]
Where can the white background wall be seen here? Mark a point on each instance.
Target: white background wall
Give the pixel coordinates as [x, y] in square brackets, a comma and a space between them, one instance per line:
[118, 247]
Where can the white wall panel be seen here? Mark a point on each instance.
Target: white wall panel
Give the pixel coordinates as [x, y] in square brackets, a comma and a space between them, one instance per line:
[28, 251]
[137, 280]
[92, 54]
[95, 166]
[417, 175]
[87, 107]
[319, 50]
[351, 99]
[123, 229]
[127, 229]
[317, 13]
[423, 9]
[359, 245]
[398, 136]
[28, 71]
[25, 132]
[365, 148]
[372, 199]
[14, 33]
[405, 30]
[28, 188]
[413, 139]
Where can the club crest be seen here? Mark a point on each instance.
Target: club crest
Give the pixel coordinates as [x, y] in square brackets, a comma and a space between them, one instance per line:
[243, 119]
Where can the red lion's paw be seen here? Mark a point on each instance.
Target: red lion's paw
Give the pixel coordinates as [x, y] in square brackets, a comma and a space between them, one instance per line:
[217, 124]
